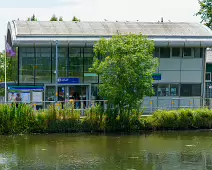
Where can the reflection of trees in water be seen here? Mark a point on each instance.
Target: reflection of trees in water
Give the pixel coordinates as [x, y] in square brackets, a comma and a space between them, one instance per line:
[99, 152]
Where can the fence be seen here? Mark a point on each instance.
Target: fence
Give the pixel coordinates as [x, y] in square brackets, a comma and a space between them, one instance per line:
[149, 105]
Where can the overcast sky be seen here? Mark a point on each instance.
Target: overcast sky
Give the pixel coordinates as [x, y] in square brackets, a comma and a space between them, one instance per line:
[98, 10]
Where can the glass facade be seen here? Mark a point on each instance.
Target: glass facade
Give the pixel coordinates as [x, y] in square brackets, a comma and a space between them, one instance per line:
[37, 67]
[37, 64]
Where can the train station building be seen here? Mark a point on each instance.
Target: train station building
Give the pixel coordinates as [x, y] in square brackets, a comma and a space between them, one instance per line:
[180, 47]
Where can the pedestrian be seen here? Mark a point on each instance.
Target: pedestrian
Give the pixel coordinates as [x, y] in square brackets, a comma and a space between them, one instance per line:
[18, 99]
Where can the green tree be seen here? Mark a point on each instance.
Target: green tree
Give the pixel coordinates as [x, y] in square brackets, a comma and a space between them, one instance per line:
[33, 18]
[205, 12]
[125, 64]
[11, 65]
[54, 18]
[76, 19]
[61, 19]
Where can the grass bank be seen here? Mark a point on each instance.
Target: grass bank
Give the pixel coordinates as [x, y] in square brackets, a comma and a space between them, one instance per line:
[25, 120]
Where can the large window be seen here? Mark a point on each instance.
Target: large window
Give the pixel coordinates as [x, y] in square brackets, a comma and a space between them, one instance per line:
[163, 89]
[174, 88]
[168, 89]
[76, 63]
[165, 52]
[88, 61]
[190, 90]
[26, 65]
[62, 63]
[43, 65]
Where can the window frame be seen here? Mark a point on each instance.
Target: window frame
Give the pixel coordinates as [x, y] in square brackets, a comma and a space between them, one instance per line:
[158, 87]
[171, 54]
[191, 89]
[167, 53]
[192, 52]
[206, 76]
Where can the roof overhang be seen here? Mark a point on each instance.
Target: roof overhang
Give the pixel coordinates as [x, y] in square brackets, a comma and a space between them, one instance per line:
[90, 41]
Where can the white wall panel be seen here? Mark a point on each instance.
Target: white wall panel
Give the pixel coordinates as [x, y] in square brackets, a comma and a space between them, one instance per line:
[192, 64]
[191, 76]
[169, 64]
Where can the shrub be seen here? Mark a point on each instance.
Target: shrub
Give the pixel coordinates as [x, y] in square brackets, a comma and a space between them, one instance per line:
[26, 120]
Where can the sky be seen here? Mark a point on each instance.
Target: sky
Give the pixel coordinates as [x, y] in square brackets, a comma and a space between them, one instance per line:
[98, 10]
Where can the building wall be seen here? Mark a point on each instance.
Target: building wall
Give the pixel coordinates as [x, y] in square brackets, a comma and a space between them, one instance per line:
[181, 80]
[182, 76]
[208, 77]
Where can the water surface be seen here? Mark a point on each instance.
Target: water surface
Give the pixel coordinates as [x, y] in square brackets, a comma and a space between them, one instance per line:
[156, 151]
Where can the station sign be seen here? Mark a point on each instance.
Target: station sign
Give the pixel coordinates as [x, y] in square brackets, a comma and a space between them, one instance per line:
[26, 88]
[68, 80]
[156, 76]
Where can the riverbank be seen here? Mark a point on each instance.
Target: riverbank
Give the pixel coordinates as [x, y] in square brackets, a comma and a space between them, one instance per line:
[26, 120]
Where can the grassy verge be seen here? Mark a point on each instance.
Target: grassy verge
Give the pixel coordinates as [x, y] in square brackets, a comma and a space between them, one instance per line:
[25, 120]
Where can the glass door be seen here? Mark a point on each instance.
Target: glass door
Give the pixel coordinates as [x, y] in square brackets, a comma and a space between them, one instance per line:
[80, 94]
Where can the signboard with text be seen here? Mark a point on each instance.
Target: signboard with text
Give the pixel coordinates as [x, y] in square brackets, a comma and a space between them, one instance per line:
[156, 76]
[68, 80]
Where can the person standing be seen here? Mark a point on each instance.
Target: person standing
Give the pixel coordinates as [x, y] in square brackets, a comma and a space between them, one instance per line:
[18, 99]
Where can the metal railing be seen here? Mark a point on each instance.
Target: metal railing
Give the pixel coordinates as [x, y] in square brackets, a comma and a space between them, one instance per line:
[152, 105]
[149, 105]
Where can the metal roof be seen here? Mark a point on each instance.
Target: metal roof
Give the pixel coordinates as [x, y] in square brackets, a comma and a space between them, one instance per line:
[43, 32]
[64, 28]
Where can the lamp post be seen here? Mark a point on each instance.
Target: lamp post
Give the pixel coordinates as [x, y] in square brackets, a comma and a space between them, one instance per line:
[56, 72]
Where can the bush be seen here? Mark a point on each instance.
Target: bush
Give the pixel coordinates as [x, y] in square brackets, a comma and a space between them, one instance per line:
[52, 120]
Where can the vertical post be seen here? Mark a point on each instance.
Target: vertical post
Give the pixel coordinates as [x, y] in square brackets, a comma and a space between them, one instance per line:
[56, 72]
[5, 77]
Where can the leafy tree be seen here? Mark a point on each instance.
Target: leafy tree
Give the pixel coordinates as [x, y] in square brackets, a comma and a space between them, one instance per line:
[11, 65]
[125, 64]
[33, 18]
[61, 19]
[75, 19]
[54, 18]
[206, 12]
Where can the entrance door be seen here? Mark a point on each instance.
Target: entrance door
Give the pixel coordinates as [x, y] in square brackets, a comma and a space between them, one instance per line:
[79, 93]
[61, 94]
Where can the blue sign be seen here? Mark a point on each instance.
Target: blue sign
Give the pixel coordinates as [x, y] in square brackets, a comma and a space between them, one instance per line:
[68, 80]
[156, 76]
[26, 88]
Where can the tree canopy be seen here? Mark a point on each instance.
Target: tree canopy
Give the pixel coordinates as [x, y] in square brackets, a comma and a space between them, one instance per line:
[76, 19]
[125, 64]
[53, 18]
[206, 12]
[32, 18]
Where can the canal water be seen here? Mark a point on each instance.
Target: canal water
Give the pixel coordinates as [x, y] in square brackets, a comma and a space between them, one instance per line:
[153, 151]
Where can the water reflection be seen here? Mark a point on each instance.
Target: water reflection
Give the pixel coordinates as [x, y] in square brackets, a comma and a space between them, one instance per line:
[157, 151]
